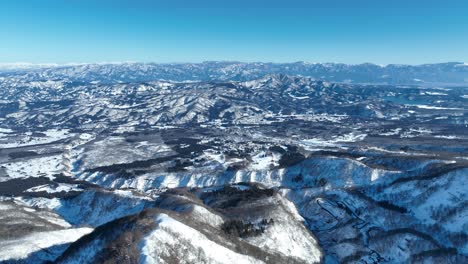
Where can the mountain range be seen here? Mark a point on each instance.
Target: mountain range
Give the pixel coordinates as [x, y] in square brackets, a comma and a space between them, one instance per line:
[447, 73]
[225, 162]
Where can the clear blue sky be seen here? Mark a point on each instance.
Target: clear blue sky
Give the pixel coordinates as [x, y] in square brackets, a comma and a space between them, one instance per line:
[349, 31]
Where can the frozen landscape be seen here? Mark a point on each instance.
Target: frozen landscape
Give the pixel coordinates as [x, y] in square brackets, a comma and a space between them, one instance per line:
[229, 162]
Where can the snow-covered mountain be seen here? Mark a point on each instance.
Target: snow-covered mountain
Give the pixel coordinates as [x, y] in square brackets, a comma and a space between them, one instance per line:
[452, 72]
[110, 163]
[266, 100]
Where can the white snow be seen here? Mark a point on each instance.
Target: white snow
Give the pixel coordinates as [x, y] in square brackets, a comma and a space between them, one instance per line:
[415, 132]
[430, 202]
[21, 248]
[437, 107]
[62, 187]
[26, 65]
[299, 97]
[5, 130]
[286, 235]
[204, 215]
[210, 155]
[435, 93]
[392, 132]
[28, 140]
[262, 161]
[116, 150]
[352, 137]
[130, 194]
[35, 167]
[375, 175]
[346, 138]
[196, 247]
[85, 136]
[446, 137]
[40, 202]
[453, 190]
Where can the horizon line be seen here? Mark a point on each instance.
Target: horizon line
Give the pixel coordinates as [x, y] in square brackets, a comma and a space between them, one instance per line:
[26, 65]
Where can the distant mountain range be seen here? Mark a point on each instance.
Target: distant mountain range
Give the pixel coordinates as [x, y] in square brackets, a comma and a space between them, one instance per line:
[442, 73]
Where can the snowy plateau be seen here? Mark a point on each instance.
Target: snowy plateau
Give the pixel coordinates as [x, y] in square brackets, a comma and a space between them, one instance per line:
[229, 162]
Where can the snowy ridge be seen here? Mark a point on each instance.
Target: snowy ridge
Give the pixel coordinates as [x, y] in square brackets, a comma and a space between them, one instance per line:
[352, 173]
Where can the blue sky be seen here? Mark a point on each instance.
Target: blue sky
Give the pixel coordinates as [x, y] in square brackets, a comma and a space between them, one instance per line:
[349, 31]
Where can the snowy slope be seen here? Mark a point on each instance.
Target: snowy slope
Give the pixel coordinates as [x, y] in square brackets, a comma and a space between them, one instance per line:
[195, 248]
[39, 242]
